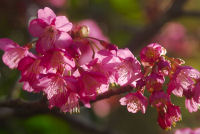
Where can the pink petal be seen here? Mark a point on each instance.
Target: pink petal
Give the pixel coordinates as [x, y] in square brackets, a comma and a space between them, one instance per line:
[31, 70]
[123, 101]
[36, 27]
[124, 53]
[191, 105]
[103, 88]
[196, 131]
[47, 15]
[13, 55]
[178, 92]
[197, 93]
[56, 59]
[44, 44]
[27, 87]
[63, 24]
[87, 105]
[53, 85]
[72, 104]
[184, 131]
[6, 44]
[57, 90]
[25, 63]
[63, 40]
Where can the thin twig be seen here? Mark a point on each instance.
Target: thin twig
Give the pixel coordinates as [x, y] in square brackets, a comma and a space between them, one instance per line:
[191, 14]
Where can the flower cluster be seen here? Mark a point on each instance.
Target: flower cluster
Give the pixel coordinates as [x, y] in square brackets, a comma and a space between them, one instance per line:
[70, 65]
[159, 73]
[74, 63]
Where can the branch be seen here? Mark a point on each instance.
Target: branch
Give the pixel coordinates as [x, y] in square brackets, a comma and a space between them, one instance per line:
[153, 28]
[191, 14]
[112, 92]
[41, 106]
[21, 108]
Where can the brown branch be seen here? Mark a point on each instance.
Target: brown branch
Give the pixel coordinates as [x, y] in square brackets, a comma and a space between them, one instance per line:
[153, 28]
[41, 106]
[21, 108]
[112, 92]
[191, 14]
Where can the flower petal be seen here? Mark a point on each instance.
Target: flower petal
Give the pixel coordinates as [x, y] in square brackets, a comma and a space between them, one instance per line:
[123, 101]
[36, 27]
[6, 44]
[44, 44]
[63, 24]
[191, 105]
[46, 14]
[13, 55]
[63, 40]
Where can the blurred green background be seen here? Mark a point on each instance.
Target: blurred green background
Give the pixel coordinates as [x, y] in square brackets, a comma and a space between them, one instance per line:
[119, 20]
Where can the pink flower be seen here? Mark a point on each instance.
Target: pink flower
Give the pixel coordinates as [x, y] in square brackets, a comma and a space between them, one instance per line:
[191, 105]
[184, 131]
[129, 70]
[55, 88]
[196, 131]
[197, 92]
[122, 66]
[86, 51]
[168, 116]
[151, 53]
[13, 52]
[72, 104]
[183, 80]
[30, 70]
[57, 61]
[61, 92]
[175, 39]
[174, 113]
[188, 131]
[154, 82]
[51, 30]
[94, 66]
[89, 46]
[90, 81]
[135, 102]
[163, 121]
[162, 67]
[159, 99]
[184, 83]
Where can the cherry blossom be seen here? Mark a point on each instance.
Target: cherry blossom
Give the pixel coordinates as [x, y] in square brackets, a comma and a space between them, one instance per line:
[75, 64]
[51, 30]
[135, 102]
[13, 52]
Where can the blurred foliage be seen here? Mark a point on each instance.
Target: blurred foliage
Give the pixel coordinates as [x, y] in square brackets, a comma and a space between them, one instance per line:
[119, 20]
[46, 125]
[40, 124]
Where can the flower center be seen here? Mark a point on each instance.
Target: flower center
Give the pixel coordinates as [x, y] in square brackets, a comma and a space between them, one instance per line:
[51, 32]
